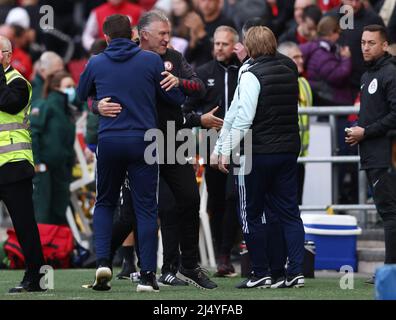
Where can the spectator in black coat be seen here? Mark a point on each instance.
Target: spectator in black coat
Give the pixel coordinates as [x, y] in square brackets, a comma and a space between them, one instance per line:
[202, 27]
[305, 30]
[280, 13]
[387, 11]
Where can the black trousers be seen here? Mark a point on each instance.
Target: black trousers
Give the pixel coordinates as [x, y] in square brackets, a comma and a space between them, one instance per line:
[17, 197]
[222, 206]
[300, 181]
[383, 184]
[180, 227]
[124, 222]
[179, 217]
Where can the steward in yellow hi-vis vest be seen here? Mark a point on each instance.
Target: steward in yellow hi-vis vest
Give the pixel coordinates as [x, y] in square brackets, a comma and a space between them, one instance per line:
[305, 100]
[15, 140]
[16, 166]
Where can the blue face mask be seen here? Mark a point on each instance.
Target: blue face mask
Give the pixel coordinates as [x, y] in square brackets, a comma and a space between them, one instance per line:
[71, 94]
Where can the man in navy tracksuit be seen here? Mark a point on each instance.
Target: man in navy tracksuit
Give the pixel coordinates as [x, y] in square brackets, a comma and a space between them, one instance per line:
[131, 77]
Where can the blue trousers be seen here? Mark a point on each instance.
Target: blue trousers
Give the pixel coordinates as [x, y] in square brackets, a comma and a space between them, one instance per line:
[117, 156]
[267, 206]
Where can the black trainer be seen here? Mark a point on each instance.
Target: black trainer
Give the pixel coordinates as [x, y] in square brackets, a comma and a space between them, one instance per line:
[170, 279]
[28, 284]
[147, 282]
[296, 281]
[276, 282]
[197, 277]
[127, 269]
[255, 282]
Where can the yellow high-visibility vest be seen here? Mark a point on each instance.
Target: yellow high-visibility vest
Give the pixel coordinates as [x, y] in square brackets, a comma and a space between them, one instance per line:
[15, 139]
[305, 100]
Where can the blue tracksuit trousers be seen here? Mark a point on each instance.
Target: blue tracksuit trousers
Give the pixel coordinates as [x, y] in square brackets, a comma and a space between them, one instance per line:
[267, 198]
[115, 157]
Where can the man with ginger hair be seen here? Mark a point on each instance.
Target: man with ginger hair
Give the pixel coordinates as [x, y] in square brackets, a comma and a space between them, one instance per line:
[270, 188]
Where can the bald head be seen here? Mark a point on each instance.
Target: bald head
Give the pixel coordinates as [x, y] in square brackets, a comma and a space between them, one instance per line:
[5, 44]
[49, 63]
[6, 51]
[7, 31]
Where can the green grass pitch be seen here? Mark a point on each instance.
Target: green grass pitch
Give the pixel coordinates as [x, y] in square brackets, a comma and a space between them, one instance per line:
[68, 286]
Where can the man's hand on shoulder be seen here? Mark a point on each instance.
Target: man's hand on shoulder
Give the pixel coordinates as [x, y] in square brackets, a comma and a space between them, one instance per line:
[109, 109]
[170, 81]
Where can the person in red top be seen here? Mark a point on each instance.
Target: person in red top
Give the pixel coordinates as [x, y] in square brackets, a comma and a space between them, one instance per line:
[21, 60]
[280, 12]
[93, 28]
[147, 5]
[274, 7]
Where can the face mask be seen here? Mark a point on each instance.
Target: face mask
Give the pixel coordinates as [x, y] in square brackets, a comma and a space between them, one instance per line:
[71, 94]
